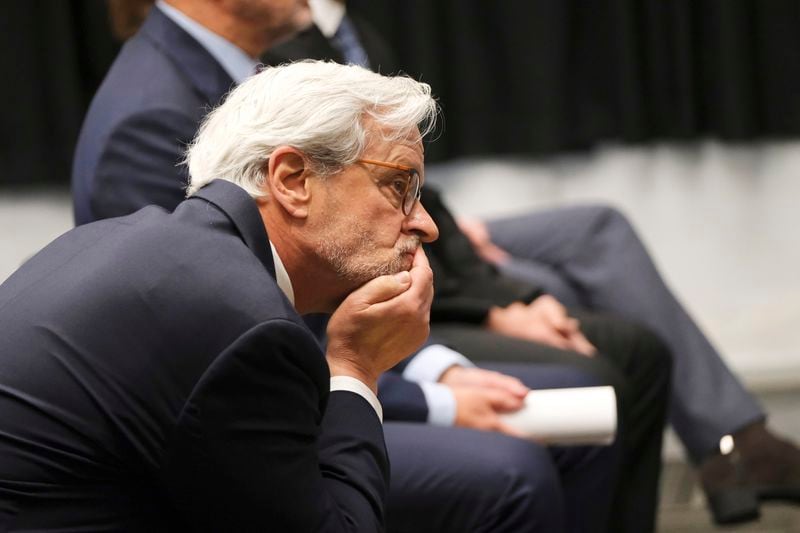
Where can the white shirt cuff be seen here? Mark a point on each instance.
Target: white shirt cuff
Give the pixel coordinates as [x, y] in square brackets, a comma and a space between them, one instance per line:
[350, 384]
[441, 404]
[431, 362]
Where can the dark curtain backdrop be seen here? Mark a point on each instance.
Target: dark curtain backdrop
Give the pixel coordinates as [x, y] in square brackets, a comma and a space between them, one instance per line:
[514, 76]
[540, 76]
[53, 54]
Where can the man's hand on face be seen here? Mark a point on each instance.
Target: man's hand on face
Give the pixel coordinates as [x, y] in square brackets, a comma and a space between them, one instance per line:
[380, 323]
[478, 234]
[544, 320]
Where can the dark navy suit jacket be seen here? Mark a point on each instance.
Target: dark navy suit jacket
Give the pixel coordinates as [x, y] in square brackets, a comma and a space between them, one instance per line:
[148, 108]
[154, 377]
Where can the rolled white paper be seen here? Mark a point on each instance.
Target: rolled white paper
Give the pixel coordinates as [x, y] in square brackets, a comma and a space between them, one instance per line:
[572, 416]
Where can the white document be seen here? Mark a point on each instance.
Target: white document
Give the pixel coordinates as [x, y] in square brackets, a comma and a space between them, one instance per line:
[573, 416]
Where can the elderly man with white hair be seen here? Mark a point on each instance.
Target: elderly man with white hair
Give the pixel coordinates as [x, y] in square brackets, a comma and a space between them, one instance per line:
[156, 373]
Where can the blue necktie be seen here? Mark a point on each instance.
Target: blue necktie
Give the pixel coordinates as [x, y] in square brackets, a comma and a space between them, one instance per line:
[346, 41]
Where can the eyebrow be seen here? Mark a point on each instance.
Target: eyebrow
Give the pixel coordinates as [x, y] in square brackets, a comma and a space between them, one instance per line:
[387, 164]
[397, 166]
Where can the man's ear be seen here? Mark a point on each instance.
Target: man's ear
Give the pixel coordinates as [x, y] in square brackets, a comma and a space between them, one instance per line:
[287, 179]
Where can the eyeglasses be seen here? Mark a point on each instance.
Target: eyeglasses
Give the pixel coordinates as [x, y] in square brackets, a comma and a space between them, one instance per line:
[408, 190]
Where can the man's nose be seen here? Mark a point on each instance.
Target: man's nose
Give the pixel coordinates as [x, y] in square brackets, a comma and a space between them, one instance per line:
[420, 223]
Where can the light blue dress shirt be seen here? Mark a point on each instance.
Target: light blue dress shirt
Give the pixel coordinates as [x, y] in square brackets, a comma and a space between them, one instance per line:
[425, 369]
[236, 62]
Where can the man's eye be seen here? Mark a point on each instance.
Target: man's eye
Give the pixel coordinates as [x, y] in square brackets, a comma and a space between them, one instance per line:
[399, 186]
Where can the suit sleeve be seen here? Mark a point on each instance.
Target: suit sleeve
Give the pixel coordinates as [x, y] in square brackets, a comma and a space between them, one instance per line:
[256, 449]
[402, 400]
[139, 164]
[465, 286]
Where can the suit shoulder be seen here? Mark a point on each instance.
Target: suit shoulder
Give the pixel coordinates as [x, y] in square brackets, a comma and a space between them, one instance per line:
[159, 87]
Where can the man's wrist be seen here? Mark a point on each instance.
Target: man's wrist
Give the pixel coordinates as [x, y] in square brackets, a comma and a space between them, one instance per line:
[441, 404]
[340, 368]
[351, 384]
[492, 318]
[431, 362]
[449, 371]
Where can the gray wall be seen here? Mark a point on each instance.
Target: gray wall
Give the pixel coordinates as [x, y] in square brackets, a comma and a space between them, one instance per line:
[721, 222]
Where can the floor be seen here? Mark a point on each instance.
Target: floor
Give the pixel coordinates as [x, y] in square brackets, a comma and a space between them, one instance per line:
[682, 508]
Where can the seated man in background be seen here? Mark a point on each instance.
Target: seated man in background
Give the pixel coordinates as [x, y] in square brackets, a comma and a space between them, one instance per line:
[588, 257]
[127, 157]
[156, 372]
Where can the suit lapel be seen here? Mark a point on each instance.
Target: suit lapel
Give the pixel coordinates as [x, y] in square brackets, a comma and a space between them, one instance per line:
[242, 210]
[195, 64]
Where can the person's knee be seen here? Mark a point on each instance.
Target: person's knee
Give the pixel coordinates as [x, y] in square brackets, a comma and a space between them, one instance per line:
[512, 486]
[605, 217]
[529, 465]
[604, 214]
[527, 488]
[464, 480]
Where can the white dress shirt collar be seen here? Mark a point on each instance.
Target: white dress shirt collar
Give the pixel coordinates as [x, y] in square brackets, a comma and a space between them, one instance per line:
[281, 276]
[327, 15]
[338, 383]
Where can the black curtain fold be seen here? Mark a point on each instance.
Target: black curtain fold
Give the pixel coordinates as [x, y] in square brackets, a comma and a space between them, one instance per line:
[541, 76]
[54, 54]
[523, 77]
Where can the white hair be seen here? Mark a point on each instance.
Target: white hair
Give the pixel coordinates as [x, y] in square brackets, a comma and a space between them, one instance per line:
[316, 107]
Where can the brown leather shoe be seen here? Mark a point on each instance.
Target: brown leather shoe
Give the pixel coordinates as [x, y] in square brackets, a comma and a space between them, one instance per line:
[753, 466]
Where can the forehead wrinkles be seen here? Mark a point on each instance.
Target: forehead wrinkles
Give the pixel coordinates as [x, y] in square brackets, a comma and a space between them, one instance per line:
[377, 134]
[401, 151]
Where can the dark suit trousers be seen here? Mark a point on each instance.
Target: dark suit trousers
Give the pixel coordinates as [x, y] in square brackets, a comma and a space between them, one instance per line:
[446, 479]
[631, 359]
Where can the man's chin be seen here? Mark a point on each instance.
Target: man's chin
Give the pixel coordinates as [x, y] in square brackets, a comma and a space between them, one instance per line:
[400, 263]
[356, 276]
[407, 261]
